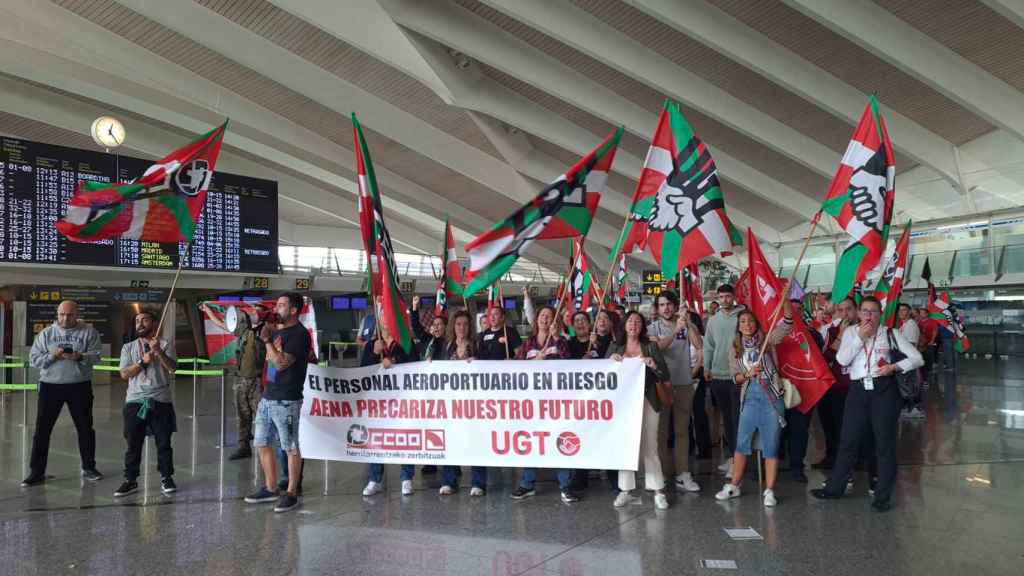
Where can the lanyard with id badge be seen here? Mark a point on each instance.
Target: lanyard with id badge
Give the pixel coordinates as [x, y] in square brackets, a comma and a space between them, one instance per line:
[869, 381]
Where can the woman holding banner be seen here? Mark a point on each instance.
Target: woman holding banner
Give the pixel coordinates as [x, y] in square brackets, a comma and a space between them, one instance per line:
[637, 345]
[461, 347]
[544, 344]
[387, 352]
[761, 406]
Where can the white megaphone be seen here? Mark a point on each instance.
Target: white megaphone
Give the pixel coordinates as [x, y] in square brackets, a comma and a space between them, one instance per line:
[231, 318]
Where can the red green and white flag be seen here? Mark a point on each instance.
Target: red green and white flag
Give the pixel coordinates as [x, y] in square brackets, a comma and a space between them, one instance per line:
[690, 290]
[163, 205]
[681, 199]
[861, 200]
[580, 281]
[221, 345]
[940, 311]
[379, 252]
[890, 285]
[494, 295]
[450, 283]
[564, 209]
[621, 282]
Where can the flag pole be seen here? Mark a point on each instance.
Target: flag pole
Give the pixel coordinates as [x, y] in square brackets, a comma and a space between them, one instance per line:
[784, 298]
[561, 301]
[170, 294]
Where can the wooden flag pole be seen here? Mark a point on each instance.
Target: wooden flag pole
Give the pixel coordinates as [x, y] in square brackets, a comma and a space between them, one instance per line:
[561, 301]
[784, 298]
[170, 294]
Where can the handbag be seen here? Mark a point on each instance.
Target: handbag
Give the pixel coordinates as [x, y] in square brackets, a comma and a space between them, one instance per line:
[907, 381]
[790, 395]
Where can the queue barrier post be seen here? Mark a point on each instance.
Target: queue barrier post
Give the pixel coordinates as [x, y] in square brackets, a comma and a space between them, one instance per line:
[13, 362]
[196, 374]
[25, 389]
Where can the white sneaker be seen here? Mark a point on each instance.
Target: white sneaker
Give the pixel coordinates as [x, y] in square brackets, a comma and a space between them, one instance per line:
[728, 474]
[728, 492]
[476, 491]
[725, 466]
[446, 490]
[406, 487]
[769, 498]
[372, 488]
[660, 501]
[685, 483]
[625, 498]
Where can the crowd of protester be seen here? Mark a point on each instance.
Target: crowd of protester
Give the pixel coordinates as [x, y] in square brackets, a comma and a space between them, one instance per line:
[712, 386]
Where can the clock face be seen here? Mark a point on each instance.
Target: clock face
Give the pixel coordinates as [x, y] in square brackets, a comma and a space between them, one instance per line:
[108, 132]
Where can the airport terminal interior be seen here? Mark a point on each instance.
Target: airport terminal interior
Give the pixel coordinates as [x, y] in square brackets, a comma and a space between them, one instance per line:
[175, 168]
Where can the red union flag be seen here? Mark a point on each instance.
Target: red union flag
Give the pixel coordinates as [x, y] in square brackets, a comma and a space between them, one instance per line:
[799, 358]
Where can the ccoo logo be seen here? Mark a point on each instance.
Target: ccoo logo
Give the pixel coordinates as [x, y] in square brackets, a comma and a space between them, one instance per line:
[568, 443]
[357, 435]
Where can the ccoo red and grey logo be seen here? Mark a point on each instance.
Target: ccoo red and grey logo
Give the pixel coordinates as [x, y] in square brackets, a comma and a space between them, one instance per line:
[568, 443]
[397, 439]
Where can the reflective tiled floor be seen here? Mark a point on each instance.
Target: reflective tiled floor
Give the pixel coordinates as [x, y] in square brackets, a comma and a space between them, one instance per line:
[959, 510]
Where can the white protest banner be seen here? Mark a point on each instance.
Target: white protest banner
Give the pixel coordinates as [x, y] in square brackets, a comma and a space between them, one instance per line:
[549, 414]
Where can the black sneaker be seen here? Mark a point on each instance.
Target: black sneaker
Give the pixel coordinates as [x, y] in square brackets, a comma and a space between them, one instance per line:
[127, 487]
[167, 486]
[241, 453]
[92, 475]
[570, 497]
[33, 480]
[521, 493]
[286, 502]
[821, 494]
[260, 496]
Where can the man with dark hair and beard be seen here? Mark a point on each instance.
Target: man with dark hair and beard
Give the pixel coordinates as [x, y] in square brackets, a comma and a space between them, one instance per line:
[148, 367]
[289, 350]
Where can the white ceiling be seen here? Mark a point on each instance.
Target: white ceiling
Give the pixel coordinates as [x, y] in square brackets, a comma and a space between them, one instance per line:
[469, 104]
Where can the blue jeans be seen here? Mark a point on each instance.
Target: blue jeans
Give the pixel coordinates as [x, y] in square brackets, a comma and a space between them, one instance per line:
[450, 476]
[377, 472]
[530, 478]
[278, 418]
[759, 414]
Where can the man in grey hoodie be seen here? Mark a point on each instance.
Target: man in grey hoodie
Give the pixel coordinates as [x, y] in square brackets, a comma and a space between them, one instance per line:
[718, 346]
[64, 353]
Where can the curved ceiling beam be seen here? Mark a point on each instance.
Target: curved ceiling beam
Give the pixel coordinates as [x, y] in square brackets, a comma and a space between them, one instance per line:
[727, 35]
[591, 36]
[98, 64]
[919, 55]
[277, 63]
[488, 43]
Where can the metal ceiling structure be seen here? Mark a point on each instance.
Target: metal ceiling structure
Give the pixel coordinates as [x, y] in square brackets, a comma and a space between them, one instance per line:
[470, 104]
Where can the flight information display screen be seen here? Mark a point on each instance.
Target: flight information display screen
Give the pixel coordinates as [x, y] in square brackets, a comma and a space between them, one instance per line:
[237, 230]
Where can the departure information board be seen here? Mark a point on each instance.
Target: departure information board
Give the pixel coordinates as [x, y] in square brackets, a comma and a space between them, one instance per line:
[237, 230]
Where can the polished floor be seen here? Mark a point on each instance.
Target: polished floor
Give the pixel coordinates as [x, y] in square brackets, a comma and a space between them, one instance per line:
[960, 509]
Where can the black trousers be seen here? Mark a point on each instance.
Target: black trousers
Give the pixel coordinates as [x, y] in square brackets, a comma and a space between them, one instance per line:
[727, 397]
[868, 411]
[49, 402]
[831, 408]
[795, 438]
[161, 422]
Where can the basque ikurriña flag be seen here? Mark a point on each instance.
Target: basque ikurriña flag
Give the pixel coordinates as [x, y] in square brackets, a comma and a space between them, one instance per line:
[861, 200]
[678, 200]
[564, 209]
[394, 314]
[450, 283]
[890, 285]
[163, 205]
